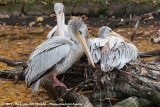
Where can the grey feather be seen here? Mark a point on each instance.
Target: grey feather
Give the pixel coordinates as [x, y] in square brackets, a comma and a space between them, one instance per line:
[45, 56]
[35, 86]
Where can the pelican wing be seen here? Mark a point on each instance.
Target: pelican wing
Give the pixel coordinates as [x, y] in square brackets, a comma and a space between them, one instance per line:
[46, 55]
[112, 52]
[94, 45]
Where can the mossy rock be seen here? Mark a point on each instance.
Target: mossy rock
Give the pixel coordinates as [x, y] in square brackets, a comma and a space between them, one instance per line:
[38, 9]
[11, 9]
[140, 8]
[115, 8]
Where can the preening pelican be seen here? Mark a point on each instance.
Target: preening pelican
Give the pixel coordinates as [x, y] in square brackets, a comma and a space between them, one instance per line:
[111, 49]
[59, 10]
[55, 56]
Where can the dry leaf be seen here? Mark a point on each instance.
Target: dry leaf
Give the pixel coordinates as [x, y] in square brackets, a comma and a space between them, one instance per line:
[39, 19]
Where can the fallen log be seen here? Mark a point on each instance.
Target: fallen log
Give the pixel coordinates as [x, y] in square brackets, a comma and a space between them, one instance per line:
[141, 92]
[68, 96]
[105, 94]
[149, 53]
[135, 86]
[133, 102]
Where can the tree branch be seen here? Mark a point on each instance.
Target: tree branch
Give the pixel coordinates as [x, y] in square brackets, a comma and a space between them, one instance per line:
[12, 63]
[142, 17]
[70, 96]
[149, 53]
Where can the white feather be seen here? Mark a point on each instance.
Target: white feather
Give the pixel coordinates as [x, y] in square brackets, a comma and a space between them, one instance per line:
[120, 54]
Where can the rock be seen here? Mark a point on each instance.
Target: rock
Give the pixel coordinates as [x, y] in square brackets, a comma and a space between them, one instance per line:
[38, 9]
[11, 9]
[140, 8]
[4, 16]
[117, 9]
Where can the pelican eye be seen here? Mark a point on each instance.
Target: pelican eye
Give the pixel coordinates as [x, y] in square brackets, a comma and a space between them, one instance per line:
[80, 32]
[60, 11]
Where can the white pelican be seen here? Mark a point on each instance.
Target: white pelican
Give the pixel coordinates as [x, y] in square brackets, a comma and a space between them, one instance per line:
[55, 56]
[111, 49]
[156, 40]
[59, 10]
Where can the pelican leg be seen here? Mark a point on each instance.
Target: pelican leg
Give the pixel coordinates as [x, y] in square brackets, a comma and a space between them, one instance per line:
[56, 82]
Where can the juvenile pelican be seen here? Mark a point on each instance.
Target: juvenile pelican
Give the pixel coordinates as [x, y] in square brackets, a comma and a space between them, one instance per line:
[55, 56]
[111, 49]
[59, 10]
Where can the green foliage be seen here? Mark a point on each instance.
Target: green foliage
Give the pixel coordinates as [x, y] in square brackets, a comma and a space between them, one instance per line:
[103, 2]
[156, 2]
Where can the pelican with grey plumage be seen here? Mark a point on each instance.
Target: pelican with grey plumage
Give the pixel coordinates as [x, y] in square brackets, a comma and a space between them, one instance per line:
[60, 16]
[111, 49]
[54, 56]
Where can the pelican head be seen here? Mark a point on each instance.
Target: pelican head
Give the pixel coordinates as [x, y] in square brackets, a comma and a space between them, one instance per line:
[106, 31]
[59, 10]
[78, 32]
[58, 7]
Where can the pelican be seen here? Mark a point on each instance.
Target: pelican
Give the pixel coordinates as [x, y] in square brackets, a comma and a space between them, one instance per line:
[54, 56]
[111, 49]
[156, 40]
[59, 10]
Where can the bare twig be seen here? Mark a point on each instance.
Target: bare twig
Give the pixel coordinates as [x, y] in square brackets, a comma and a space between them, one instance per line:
[136, 27]
[154, 13]
[145, 66]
